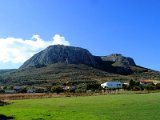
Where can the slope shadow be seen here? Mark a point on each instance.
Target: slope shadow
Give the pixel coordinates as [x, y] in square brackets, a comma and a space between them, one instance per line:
[3, 117]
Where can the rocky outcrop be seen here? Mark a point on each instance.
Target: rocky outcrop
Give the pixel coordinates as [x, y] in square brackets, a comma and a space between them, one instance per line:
[61, 54]
[119, 60]
[116, 63]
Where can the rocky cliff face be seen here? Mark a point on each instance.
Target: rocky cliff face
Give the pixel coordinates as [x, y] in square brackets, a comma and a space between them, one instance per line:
[115, 63]
[119, 60]
[61, 54]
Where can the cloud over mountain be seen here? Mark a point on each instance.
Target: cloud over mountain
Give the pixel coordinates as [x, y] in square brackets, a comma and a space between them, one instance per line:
[18, 50]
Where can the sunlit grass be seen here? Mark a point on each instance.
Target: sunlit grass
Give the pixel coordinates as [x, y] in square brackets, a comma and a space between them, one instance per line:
[109, 107]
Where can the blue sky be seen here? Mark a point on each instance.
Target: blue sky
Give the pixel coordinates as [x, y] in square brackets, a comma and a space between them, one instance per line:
[129, 27]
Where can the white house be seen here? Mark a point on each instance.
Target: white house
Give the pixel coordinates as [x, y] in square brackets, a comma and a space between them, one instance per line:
[112, 84]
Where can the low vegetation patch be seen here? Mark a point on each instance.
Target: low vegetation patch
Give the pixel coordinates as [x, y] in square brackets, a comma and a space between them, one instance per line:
[2, 103]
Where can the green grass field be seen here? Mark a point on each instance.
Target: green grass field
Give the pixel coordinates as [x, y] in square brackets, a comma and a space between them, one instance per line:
[109, 107]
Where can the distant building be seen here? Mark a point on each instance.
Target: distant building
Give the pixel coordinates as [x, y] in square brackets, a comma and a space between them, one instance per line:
[10, 91]
[127, 84]
[146, 82]
[112, 84]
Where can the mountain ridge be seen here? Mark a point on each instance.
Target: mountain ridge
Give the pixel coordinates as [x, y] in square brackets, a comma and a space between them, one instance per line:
[60, 63]
[76, 55]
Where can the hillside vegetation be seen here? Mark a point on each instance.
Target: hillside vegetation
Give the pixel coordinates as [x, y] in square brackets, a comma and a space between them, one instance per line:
[64, 73]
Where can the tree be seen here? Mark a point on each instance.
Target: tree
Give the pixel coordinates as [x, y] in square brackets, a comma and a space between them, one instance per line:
[23, 90]
[158, 86]
[40, 90]
[49, 89]
[126, 87]
[57, 89]
[132, 83]
[150, 87]
[93, 86]
[81, 88]
[1, 103]
[136, 88]
[2, 91]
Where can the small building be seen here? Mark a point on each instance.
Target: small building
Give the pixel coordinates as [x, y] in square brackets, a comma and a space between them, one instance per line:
[10, 91]
[112, 84]
[146, 82]
[127, 84]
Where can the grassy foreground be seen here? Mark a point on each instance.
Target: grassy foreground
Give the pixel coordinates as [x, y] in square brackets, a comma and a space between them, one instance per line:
[109, 107]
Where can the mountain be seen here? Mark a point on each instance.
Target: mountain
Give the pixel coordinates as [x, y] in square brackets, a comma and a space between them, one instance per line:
[114, 63]
[61, 64]
[61, 54]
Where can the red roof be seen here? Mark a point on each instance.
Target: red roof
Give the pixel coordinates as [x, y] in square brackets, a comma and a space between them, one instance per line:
[146, 81]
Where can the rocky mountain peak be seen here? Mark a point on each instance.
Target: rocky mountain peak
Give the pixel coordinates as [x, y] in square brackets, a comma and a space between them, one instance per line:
[61, 54]
[119, 60]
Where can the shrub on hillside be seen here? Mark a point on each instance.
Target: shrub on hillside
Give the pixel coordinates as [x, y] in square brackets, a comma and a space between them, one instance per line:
[2, 91]
[40, 90]
[40, 65]
[133, 85]
[23, 90]
[150, 87]
[57, 89]
[158, 86]
[136, 88]
[93, 86]
[81, 88]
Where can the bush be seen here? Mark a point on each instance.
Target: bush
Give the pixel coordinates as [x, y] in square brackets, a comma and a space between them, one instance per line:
[40, 65]
[57, 89]
[93, 86]
[136, 88]
[81, 88]
[40, 90]
[126, 87]
[3, 103]
[158, 86]
[23, 90]
[2, 91]
[133, 85]
[150, 87]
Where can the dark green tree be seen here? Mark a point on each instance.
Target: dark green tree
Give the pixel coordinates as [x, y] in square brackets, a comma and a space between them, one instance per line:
[158, 86]
[81, 88]
[132, 83]
[57, 89]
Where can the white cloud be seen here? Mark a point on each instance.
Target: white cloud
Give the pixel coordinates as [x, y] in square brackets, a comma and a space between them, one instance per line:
[57, 39]
[18, 50]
